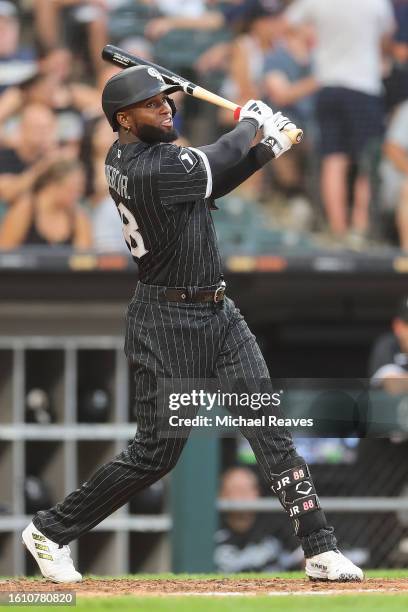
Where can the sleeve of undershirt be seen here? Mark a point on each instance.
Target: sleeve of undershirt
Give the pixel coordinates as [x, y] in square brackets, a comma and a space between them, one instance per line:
[257, 157]
[231, 148]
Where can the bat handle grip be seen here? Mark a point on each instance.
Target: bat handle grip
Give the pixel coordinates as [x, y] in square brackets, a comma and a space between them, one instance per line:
[295, 136]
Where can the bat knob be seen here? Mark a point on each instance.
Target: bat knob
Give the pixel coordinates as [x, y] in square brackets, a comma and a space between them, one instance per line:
[237, 112]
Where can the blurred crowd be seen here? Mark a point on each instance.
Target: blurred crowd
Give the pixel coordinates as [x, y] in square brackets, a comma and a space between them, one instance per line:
[338, 69]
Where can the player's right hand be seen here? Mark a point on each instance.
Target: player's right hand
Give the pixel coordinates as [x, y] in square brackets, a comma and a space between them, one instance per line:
[256, 109]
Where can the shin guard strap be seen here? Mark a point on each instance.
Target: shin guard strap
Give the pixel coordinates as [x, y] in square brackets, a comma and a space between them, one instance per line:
[296, 492]
[290, 477]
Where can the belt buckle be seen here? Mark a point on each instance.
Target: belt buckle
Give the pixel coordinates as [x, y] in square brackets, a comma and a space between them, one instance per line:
[220, 292]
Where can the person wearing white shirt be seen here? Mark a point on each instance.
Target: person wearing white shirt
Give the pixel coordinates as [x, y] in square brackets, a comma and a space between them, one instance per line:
[350, 39]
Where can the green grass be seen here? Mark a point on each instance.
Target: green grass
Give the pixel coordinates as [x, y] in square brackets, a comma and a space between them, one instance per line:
[337, 603]
[375, 573]
[252, 604]
[397, 602]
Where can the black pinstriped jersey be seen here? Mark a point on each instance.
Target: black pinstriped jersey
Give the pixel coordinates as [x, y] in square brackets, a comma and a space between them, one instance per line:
[161, 195]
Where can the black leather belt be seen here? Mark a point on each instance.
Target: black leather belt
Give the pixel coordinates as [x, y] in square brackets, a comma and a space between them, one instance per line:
[201, 295]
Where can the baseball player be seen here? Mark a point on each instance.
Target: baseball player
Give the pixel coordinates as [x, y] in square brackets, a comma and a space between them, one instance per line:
[180, 323]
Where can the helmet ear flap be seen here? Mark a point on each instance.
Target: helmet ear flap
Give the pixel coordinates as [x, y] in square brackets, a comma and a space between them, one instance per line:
[172, 105]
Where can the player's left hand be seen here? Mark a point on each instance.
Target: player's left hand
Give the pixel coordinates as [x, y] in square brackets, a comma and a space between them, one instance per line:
[256, 109]
[274, 134]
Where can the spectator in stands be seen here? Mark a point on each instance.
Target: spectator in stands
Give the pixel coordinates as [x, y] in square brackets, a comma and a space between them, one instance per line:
[52, 85]
[37, 89]
[81, 24]
[244, 542]
[69, 93]
[16, 63]
[388, 364]
[350, 37]
[34, 148]
[289, 86]
[288, 81]
[181, 33]
[105, 220]
[51, 214]
[396, 82]
[261, 29]
[74, 102]
[394, 175]
[400, 42]
[181, 15]
[138, 45]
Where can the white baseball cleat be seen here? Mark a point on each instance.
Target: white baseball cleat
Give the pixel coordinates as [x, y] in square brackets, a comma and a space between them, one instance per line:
[54, 561]
[333, 566]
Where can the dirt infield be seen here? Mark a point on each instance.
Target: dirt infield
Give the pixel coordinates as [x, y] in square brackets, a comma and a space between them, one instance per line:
[222, 586]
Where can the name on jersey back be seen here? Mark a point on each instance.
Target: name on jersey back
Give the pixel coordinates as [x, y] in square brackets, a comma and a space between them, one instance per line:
[117, 181]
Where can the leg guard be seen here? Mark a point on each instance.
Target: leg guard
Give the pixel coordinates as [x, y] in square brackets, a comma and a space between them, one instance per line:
[294, 487]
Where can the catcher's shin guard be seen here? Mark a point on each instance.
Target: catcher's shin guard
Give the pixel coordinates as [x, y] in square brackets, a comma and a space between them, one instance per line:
[294, 487]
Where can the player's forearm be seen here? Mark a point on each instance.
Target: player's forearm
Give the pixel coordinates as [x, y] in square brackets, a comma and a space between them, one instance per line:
[257, 157]
[231, 148]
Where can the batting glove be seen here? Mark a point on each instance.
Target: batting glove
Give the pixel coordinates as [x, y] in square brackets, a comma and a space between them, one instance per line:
[283, 123]
[274, 135]
[256, 109]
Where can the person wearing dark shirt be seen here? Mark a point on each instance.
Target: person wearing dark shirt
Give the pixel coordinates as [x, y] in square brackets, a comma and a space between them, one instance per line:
[245, 541]
[388, 364]
[396, 82]
[51, 214]
[11, 162]
[34, 149]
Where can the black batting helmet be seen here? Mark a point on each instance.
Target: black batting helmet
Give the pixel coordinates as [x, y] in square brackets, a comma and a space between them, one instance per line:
[130, 86]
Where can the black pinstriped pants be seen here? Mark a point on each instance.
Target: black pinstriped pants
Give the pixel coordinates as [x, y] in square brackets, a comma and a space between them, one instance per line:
[167, 340]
